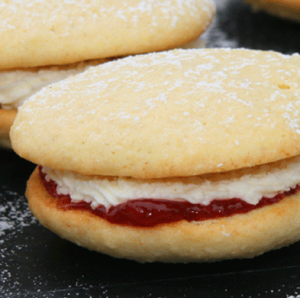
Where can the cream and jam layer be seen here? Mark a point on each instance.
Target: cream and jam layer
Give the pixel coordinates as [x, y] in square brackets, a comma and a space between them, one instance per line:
[249, 185]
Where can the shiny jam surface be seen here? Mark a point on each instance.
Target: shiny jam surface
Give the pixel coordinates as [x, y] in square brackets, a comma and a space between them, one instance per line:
[149, 212]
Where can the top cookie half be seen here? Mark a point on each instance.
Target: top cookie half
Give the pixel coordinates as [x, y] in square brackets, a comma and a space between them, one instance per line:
[36, 33]
[174, 113]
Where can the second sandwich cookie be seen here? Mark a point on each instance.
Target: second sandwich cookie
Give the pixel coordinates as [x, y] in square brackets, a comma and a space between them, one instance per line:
[178, 156]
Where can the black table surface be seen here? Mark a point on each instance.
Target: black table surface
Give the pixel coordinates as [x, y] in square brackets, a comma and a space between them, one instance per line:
[34, 262]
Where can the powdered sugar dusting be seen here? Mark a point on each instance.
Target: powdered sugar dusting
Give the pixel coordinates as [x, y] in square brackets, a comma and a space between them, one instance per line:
[182, 102]
[14, 218]
[235, 83]
[49, 13]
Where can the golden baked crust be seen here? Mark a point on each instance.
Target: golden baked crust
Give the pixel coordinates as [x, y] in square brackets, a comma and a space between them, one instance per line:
[7, 118]
[37, 33]
[239, 236]
[287, 9]
[169, 114]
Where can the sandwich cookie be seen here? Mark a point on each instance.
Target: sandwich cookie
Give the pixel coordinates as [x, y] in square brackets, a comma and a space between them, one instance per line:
[178, 156]
[37, 37]
[286, 9]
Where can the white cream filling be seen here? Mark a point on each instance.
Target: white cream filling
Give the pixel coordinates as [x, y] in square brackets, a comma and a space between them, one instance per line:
[249, 185]
[18, 85]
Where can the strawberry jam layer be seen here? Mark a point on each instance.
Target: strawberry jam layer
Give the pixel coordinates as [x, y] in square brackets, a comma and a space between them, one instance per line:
[150, 212]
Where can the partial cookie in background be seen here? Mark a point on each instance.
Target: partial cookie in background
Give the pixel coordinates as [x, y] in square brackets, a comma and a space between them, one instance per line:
[36, 35]
[178, 156]
[286, 9]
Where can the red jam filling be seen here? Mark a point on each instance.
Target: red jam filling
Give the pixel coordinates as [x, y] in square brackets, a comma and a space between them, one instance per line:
[149, 212]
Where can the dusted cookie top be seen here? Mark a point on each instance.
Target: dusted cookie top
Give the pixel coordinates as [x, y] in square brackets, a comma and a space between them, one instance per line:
[35, 33]
[175, 113]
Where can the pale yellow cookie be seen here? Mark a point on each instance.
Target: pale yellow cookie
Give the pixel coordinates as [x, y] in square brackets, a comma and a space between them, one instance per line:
[287, 9]
[176, 113]
[186, 126]
[35, 33]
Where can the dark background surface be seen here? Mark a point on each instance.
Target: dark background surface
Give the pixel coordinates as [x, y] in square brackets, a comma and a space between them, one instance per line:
[36, 263]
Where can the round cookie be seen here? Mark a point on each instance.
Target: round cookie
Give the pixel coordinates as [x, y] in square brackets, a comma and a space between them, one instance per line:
[175, 113]
[35, 33]
[215, 114]
[287, 9]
